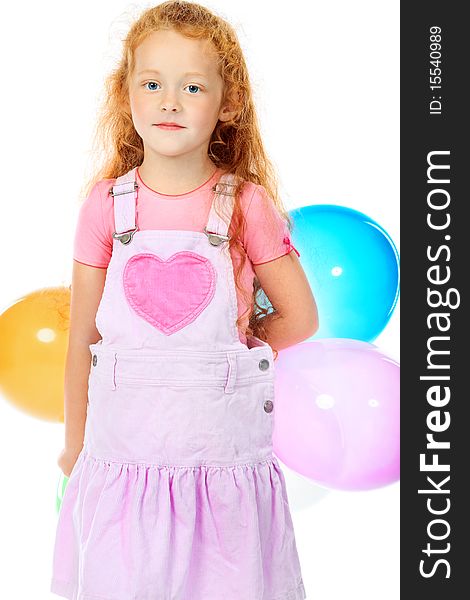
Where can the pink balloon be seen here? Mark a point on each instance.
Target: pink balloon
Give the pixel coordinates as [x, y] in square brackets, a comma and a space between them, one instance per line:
[337, 413]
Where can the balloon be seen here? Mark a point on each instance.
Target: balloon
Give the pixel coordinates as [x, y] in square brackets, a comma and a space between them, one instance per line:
[352, 266]
[61, 487]
[34, 334]
[336, 415]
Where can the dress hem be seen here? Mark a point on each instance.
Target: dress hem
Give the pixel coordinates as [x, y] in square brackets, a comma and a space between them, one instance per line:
[66, 589]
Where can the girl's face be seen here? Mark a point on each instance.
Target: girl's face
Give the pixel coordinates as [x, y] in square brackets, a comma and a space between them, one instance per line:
[176, 79]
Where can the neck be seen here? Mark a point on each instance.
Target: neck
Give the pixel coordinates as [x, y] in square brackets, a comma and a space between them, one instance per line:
[174, 177]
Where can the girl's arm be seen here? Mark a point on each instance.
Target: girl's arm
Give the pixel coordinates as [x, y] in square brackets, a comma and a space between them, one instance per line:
[87, 289]
[295, 317]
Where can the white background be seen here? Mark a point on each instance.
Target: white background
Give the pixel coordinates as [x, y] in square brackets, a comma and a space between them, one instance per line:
[326, 83]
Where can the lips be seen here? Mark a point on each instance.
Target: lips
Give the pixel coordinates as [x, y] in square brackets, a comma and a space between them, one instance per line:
[169, 125]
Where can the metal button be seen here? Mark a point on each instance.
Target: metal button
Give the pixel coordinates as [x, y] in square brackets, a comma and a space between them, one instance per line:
[126, 236]
[215, 240]
[268, 406]
[95, 360]
[264, 364]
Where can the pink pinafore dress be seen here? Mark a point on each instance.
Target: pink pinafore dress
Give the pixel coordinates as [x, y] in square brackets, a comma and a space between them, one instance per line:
[176, 494]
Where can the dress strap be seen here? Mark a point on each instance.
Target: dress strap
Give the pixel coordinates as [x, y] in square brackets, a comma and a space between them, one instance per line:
[220, 214]
[124, 193]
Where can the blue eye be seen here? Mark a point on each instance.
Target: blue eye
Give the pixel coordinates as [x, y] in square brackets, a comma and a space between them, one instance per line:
[150, 82]
[192, 85]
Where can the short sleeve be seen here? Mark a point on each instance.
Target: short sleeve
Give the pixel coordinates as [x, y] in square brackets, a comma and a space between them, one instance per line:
[267, 235]
[92, 243]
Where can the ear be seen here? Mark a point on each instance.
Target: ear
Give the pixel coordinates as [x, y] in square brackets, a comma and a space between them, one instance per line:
[230, 109]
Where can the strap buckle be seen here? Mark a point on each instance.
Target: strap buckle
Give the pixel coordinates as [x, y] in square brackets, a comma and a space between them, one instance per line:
[126, 236]
[216, 238]
[113, 193]
[230, 192]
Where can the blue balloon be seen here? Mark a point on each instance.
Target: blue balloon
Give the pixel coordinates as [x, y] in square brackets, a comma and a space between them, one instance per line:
[352, 266]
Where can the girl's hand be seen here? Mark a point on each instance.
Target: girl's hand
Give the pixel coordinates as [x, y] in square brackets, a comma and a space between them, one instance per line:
[67, 459]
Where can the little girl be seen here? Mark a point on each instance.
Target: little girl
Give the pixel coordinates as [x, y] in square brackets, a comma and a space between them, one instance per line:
[174, 492]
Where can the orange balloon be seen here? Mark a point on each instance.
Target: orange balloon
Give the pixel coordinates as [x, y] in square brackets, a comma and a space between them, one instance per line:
[34, 333]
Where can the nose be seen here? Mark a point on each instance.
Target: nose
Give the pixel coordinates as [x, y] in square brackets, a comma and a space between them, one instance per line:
[168, 106]
[169, 102]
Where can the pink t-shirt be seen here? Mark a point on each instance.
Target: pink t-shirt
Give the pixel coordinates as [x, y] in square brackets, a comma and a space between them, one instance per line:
[266, 238]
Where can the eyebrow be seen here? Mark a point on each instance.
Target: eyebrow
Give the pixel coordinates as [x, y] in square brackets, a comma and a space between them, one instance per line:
[158, 72]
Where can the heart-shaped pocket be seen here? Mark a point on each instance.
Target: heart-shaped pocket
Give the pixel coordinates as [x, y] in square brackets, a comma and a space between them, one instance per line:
[170, 293]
